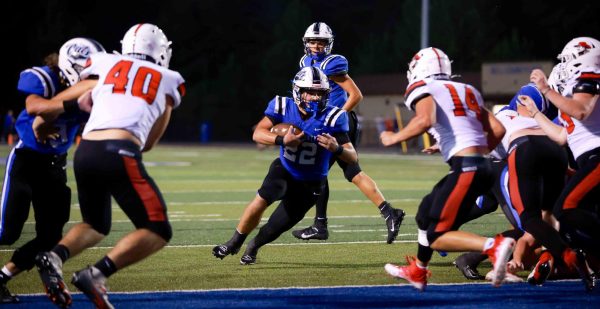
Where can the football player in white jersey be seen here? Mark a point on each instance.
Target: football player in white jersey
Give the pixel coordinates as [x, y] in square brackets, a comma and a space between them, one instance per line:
[457, 113]
[537, 168]
[580, 119]
[132, 103]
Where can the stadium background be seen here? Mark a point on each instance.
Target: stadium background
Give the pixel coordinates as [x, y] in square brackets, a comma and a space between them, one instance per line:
[236, 55]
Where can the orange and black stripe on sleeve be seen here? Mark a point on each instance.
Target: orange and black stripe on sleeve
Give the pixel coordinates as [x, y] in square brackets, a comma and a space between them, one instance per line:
[181, 90]
[412, 87]
[590, 75]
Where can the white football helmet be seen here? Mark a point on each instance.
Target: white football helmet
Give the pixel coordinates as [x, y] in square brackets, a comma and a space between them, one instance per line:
[587, 62]
[147, 42]
[578, 47]
[73, 55]
[311, 78]
[428, 62]
[318, 31]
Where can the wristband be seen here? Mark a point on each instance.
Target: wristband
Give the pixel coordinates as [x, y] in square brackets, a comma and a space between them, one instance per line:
[279, 140]
[533, 116]
[338, 151]
[71, 106]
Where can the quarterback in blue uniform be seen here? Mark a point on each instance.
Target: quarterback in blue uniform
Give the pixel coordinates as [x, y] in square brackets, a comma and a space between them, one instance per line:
[36, 170]
[297, 176]
[318, 43]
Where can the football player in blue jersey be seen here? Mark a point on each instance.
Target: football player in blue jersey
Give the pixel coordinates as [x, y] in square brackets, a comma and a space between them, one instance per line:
[36, 170]
[318, 43]
[297, 176]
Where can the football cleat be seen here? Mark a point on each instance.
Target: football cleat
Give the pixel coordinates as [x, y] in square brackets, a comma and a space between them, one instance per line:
[393, 222]
[499, 254]
[49, 267]
[312, 232]
[466, 268]
[6, 297]
[575, 259]
[92, 282]
[247, 259]
[542, 269]
[221, 251]
[412, 273]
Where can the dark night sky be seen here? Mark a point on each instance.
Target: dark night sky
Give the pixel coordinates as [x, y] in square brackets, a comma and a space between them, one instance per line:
[236, 55]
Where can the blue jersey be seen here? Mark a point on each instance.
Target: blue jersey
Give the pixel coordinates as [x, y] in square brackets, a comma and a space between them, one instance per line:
[308, 161]
[331, 65]
[45, 83]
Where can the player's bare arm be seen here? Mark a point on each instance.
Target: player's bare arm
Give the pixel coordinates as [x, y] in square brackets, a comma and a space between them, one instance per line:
[579, 106]
[159, 127]
[423, 120]
[51, 108]
[263, 135]
[555, 132]
[354, 94]
[346, 153]
[493, 127]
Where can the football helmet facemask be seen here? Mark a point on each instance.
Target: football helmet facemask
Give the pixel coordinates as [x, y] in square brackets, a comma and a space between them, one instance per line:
[73, 55]
[147, 42]
[556, 79]
[429, 62]
[318, 31]
[311, 79]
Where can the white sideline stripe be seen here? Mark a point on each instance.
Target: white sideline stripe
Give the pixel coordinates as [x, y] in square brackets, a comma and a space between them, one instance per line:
[271, 244]
[225, 220]
[76, 205]
[246, 202]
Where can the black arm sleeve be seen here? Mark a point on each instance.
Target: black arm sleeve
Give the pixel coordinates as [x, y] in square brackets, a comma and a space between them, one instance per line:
[341, 137]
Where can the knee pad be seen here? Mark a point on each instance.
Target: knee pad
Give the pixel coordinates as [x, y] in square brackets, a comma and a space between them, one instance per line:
[351, 171]
[422, 238]
[163, 229]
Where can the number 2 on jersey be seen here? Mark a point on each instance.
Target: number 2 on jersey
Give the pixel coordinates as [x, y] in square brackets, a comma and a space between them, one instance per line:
[471, 101]
[145, 83]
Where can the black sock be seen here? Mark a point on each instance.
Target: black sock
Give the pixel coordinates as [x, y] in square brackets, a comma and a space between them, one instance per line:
[321, 222]
[237, 240]
[475, 258]
[62, 252]
[321, 204]
[424, 253]
[106, 266]
[385, 208]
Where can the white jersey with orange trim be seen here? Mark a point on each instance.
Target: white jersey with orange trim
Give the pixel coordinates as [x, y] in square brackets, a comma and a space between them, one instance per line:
[512, 122]
[582, 135]
[130, 94]
[458, 113]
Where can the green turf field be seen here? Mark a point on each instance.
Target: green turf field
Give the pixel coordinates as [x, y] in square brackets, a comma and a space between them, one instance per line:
[206, 189]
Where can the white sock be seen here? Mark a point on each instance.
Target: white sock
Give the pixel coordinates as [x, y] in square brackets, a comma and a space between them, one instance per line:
[7, 272]
[488, 244]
